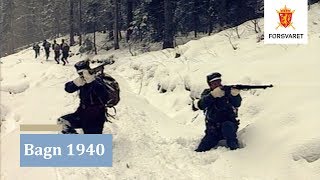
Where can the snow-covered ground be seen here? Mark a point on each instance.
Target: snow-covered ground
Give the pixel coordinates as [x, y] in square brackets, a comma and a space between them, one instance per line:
[155, 133]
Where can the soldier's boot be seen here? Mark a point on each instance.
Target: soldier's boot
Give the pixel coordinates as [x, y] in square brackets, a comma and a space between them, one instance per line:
[66, 127]
[233, 144]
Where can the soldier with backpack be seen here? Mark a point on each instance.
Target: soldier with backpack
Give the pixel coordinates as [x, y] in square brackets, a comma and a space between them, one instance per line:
[56, 50]
[90, 115]
[65, 51]
[46, 45]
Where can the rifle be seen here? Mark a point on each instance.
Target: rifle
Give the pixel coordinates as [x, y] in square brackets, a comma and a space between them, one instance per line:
[100, 68]
[227, 88]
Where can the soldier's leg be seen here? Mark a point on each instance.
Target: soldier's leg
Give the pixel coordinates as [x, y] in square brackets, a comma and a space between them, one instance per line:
[229, 132]
[47, 55]
[66, 57]
[69, 122]
[64, 62]
[93, 130]
[56, 56]
[63, 59]
[210, 140]
[207, 143]
[93, 125]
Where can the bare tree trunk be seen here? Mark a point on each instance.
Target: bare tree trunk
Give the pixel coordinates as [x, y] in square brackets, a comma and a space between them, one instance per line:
[80, 22]
[195, 17]
[129, 19]
[110, 27]
[209, 16]
[228, 34]
[255, 22]
[11, 46]
[168, 32]
[116, 29]
[94, 38]
[119, 33]
[1, 30]
[222, 13]
[57, 19]
[237, 31]
[71, 24]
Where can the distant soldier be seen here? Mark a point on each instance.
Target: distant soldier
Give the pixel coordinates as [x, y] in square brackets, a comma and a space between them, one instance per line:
[65, 51]
[46, 45]
[56, 49]
[36, 49]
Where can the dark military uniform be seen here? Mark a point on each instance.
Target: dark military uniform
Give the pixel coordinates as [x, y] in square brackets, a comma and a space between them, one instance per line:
[65, 52]
[36, 49]
[90, 115]
[56, 50]
[46, 46]
[221, 122]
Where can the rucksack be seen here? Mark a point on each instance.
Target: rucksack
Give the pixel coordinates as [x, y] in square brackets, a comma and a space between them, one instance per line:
[47, 45]
[113, 89]
[56, 47]
[65, 47]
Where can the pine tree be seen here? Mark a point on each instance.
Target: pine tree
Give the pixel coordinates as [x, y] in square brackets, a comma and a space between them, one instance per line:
[168, 25]
[116, 25]
[129, 19]
[80, 23]
[7, 31]
[71, 23]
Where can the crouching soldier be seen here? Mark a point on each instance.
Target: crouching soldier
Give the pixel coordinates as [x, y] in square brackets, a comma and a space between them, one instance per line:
[220, 114]
[90, 115]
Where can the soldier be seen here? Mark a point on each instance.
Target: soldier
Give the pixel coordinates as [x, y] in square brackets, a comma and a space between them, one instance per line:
[220, 114]
[56, 48]
[90, 115]
[36, 49]
[65, 51]
[46, 45]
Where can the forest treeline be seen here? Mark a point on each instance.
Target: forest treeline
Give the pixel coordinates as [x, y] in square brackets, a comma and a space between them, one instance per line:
[24, 22]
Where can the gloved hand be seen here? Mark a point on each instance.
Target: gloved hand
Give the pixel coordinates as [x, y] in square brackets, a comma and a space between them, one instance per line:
[88, 77]
[79, 81]
[234, 92]
[217, 92]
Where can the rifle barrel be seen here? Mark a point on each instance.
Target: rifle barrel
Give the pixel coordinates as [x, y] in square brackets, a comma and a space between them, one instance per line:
[101, 66]
[247, 87]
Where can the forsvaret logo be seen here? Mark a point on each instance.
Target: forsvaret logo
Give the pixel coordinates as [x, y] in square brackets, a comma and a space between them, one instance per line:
[285, 22]
[285, 16]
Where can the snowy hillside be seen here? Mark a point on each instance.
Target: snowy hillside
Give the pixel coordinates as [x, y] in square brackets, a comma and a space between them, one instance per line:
[155, 131]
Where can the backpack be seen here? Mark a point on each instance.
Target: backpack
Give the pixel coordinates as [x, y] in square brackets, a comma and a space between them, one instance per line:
[47, 45]
[113, 89]
[65, 47]
[56, 47]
